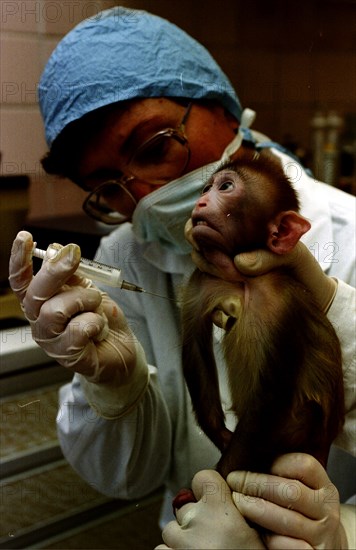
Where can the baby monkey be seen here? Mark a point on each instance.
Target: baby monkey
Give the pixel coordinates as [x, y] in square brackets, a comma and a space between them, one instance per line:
[282, 355]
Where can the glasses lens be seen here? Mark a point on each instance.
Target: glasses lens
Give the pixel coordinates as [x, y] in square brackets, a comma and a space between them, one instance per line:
[161, 159]
[112, 203]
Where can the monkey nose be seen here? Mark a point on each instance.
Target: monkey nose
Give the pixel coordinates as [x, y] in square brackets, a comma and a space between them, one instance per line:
[202, 201]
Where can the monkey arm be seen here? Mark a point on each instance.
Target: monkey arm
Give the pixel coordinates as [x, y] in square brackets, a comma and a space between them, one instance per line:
[198, 360]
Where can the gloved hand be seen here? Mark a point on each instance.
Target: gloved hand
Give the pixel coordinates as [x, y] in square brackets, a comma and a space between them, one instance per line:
[300, 260]
[73, 321]
[296, 503]
[212, 522]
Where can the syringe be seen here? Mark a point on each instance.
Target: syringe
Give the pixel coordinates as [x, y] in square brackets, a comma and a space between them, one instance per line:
[98, 272]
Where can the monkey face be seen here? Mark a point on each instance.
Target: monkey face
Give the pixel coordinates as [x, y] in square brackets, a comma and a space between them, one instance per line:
[218, 216]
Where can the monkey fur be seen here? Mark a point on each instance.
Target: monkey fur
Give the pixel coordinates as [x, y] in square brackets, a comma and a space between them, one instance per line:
[282, 354]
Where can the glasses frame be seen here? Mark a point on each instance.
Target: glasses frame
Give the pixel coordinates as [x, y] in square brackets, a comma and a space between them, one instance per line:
[177, 133]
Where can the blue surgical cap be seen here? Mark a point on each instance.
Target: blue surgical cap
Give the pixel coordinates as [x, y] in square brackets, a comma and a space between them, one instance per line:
[122, 54]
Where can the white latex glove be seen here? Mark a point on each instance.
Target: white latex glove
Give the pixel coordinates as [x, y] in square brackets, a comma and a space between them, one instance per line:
[300, 260]
[213, 522]
[297, 504]
[78, 325]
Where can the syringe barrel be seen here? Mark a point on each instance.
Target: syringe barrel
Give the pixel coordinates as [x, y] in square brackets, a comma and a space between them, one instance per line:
[106, 275]
[101, 273]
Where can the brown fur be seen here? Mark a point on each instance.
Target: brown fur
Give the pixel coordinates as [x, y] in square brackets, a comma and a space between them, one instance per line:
[284, 368]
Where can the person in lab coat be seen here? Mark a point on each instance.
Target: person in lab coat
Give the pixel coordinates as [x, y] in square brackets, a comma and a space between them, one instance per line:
[139, 114]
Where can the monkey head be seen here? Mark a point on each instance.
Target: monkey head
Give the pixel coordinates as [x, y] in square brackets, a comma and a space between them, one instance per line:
[248, 204]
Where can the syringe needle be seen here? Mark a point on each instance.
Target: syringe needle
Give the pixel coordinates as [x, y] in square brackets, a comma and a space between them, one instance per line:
[131, 286]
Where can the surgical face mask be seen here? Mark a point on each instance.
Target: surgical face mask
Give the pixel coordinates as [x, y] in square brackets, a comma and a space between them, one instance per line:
[161, 215]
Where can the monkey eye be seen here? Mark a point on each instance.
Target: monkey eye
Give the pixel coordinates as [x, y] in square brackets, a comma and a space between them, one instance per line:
[206, 188]
[226, 185]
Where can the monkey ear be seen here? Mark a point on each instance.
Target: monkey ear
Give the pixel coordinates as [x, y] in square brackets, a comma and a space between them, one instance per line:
[285, 231]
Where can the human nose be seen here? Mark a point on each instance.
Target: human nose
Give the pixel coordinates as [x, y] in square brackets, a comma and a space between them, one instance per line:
[140, 189]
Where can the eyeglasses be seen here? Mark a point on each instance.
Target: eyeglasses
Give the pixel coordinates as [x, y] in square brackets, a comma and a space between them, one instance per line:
[160, 159]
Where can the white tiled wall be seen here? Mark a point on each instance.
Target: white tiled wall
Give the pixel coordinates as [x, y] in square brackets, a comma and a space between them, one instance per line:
[30, 31]
[286, 60]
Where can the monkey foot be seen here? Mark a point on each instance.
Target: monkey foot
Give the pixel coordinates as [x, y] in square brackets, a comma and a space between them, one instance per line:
[182, 497]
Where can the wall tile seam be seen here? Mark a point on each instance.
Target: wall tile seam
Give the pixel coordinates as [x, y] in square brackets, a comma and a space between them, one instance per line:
[30, 34]
[266, 50]
[29, 107]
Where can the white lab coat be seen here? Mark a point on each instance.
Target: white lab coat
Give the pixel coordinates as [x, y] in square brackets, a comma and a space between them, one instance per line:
[159, 442]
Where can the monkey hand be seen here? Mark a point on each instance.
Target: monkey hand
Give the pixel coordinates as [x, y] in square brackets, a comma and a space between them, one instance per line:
[303, 265]
[213, 522]
[77, 324]
[296, 500]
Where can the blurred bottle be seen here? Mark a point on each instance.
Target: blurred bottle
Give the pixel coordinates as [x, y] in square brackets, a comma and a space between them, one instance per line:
[332, 150]
[318, 125]
[348, 155]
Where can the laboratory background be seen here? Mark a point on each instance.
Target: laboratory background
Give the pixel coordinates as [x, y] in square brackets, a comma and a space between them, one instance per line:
[293, 62]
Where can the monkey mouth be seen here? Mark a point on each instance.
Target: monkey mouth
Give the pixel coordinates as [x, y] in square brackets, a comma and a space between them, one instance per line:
[199, 220]
[207, 235]
[204, 225]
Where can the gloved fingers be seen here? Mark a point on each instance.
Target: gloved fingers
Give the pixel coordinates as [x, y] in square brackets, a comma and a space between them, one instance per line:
[57, 267]
[56, 313]
[259, 262]
[303, 467]
[20, 266]
[293, 494]
[77, 342]
[206, 484]
[209, 484]
[276, 542]
[300, 261]
[186, 513]
[114, 314]
[76, 334]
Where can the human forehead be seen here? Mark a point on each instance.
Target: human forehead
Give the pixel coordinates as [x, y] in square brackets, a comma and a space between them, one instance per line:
[115, 125]
[124, 117]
